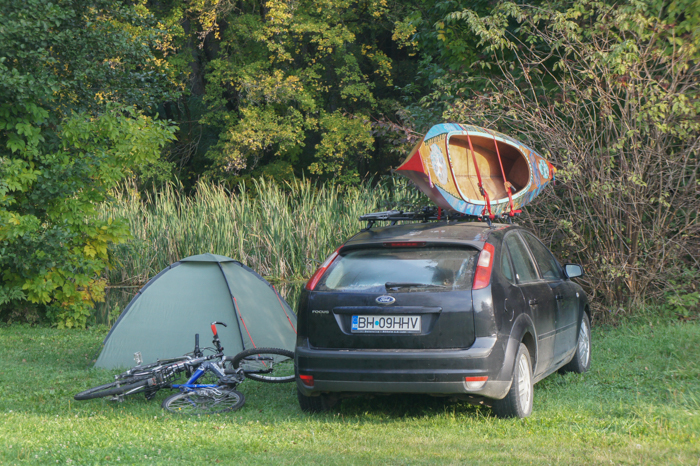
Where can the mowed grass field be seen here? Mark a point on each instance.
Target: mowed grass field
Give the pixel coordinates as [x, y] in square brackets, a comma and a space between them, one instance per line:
[640, 404]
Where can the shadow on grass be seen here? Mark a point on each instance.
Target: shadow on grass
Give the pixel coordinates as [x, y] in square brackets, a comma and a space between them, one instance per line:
[402, 406]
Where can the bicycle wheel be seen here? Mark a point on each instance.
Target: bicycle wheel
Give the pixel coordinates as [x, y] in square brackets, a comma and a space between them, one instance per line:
[205, 401]
[271, 365]
[127, 387]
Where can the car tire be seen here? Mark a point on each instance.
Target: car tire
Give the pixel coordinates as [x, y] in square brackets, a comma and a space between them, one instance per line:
[518, 400]
[581, 361]
[315, 404]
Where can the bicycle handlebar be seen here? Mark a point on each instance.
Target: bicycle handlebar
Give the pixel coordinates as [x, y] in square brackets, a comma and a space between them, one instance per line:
[213, 327]
[216, 341]
[197, 352]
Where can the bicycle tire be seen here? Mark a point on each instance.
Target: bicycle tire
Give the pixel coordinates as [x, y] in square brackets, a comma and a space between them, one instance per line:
[111, 389]
[270, 365]
[204, 401]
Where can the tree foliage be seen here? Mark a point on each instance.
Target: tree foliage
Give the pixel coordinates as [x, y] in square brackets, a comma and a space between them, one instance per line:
[72, 77]
[291, 84]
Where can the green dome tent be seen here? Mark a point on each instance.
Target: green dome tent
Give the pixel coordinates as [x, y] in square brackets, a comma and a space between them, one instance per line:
[185, 298]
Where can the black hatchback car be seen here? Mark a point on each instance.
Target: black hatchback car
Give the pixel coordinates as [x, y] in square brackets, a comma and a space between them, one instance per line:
[465, 310]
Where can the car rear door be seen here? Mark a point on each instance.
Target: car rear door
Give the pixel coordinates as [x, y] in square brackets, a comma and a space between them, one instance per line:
[539, 298]
[508, 299]
[564, 295]
[405, 297]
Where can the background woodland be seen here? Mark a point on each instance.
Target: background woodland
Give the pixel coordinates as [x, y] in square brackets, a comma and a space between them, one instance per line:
[133, 133]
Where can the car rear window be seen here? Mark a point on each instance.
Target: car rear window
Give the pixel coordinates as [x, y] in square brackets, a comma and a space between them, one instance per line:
[402, 270]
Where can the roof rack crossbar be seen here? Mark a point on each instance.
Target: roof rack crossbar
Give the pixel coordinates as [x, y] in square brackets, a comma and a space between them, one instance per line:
[424, 215]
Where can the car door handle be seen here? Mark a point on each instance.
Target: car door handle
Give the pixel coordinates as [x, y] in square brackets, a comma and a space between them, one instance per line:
[532, 302]
[558, 297]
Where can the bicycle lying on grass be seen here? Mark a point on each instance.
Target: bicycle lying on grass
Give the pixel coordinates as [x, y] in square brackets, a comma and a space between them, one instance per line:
[271, 365]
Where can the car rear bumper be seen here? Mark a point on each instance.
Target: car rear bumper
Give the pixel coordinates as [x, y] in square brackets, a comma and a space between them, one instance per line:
[407, 371]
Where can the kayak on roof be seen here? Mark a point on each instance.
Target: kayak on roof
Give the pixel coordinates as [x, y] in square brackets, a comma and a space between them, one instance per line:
[476, 171]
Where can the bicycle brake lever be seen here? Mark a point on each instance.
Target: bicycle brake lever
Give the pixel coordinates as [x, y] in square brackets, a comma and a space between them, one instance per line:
[216, 341]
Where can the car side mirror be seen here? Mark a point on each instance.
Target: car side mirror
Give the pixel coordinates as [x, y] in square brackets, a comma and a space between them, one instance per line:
[573, 270]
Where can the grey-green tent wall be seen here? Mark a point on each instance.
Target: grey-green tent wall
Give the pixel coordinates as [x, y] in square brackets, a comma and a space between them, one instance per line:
[184, 299]
[253, 297]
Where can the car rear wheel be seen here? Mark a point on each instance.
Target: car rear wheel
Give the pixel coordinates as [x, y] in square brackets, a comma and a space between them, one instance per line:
[518, 401]
[582, 357]
[315, 404]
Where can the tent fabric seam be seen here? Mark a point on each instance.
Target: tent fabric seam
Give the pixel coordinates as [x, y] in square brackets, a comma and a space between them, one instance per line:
[277, 295]
[233, 299]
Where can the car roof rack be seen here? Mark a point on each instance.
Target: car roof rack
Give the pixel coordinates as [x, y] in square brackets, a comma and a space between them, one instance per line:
[424, 215]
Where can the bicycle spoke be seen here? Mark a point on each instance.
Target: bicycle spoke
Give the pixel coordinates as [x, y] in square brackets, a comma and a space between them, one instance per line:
[266, 364]
[204, 401]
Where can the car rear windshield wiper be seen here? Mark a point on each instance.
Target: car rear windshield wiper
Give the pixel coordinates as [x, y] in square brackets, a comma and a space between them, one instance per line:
[388, 285]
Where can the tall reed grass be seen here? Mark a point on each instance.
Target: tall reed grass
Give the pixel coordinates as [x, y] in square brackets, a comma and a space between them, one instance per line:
[280, 231]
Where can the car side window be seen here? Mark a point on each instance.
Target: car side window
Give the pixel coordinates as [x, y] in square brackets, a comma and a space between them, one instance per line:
[549, 267]
[506, 268]
[525, 270]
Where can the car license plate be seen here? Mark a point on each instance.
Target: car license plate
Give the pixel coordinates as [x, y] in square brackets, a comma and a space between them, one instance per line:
[386, 324]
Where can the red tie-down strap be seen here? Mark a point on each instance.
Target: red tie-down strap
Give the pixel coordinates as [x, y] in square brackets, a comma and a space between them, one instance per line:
[481, 187]
[506, 184]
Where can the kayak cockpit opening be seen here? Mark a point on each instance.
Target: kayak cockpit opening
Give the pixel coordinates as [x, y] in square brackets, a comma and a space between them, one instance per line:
[515, 167]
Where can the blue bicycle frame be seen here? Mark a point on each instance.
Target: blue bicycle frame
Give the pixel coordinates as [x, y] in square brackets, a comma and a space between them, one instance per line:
[192, 384]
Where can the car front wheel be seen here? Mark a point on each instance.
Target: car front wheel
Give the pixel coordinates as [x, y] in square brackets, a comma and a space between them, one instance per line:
[582, 358]
[518, 401]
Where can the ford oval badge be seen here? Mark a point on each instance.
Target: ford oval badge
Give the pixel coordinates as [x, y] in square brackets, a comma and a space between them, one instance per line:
[385, 299]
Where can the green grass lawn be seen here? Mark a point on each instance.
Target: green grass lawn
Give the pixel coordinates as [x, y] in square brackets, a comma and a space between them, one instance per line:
[639, 404]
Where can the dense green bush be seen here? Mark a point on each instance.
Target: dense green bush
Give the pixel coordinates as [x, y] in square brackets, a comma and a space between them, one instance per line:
[71, 74]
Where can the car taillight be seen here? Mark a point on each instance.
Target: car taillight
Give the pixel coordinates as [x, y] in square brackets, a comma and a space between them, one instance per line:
[307, 380]
[313, 281]
[482, 277]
